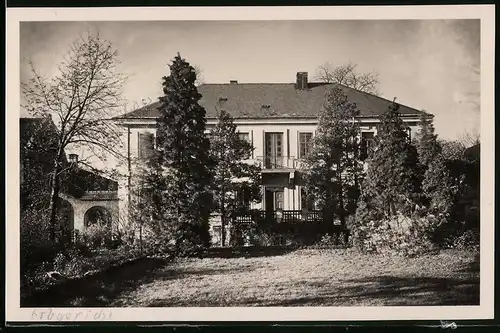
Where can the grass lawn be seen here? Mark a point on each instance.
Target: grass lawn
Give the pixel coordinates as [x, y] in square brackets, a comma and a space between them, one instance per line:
[302, 278]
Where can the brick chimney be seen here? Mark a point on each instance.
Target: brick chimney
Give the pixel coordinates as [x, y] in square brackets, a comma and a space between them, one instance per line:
[301, 80]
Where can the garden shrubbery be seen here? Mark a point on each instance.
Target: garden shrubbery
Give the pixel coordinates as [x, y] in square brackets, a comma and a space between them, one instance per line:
[299, 234]
[414, 198]
[468, 240]
[92, 250]
[399, 234]
[96, 236]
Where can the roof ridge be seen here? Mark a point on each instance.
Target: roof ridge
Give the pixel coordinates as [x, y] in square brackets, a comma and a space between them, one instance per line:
[286, 100]
[246, 83]
[379, 97]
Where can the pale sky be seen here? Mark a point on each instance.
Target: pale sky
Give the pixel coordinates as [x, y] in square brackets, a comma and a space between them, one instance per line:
[425, 64]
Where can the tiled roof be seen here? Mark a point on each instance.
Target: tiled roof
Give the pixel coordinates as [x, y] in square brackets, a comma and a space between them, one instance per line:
[283, 100]
[41, 152]
[99, 195]
[78, 181]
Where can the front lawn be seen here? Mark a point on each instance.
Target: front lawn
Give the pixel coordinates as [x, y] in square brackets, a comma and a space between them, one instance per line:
[309, 278]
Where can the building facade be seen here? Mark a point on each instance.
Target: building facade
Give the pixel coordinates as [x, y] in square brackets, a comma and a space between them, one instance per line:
[86, 198]
[279, 120]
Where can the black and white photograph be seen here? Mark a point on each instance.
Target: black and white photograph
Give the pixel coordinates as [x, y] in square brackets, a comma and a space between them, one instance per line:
[291, 163]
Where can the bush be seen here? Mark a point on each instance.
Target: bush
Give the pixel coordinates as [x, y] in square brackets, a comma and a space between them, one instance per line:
[35, 237]
[72, 262]
[469, 241]
[400, 235]
[97, 236]
[331, 242]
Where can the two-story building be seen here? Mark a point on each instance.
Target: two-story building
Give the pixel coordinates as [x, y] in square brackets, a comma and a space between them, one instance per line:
[279, 119]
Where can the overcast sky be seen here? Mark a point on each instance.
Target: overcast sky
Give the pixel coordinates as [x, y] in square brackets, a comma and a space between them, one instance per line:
[425, 64]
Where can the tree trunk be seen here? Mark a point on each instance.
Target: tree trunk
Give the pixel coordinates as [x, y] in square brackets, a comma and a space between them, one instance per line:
[223, 224]
[54, 198]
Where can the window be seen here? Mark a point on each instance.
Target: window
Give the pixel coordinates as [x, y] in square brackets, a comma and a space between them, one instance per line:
[305, 143]
[367, 140]
[243, 196]
[146, 145]
[273, 143]
[306, 202]
[244, 136]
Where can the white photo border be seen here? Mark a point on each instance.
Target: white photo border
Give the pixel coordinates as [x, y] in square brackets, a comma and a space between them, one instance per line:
[486, 13]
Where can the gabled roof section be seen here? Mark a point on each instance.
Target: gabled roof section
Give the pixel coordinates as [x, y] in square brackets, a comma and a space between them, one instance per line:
[77, 182]
[274, 100]
[38, 140]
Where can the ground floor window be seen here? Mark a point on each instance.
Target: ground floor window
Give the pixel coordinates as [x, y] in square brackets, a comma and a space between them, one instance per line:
[243, 196]
[274, 198]
[306, 200]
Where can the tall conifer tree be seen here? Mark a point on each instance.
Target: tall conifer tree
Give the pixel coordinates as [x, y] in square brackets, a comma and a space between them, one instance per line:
[392, 178]
[182, 158]
[235, 182]
[426, 142]
[332, 169]
[437, 184]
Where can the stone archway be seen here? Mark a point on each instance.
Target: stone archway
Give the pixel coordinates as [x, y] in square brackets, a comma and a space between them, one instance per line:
[97, 215]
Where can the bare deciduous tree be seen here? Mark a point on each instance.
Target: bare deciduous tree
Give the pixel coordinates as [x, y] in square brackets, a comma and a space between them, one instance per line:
[80, 99]
[199, 75]
[469, 138]
[348, 76]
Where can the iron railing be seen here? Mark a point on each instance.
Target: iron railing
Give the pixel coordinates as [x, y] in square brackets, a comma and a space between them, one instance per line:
[284, 216]
[278, 162]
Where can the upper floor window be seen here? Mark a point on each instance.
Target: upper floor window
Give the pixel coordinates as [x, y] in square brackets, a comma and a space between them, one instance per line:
[146, 145]
[305, 144]
[244, 136]
[367, 141]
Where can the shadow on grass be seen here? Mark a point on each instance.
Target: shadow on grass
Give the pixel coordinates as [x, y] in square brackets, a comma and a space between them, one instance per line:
[473, 267]
[395, 291]
[97, 290]
[460, 288]
[379, 291]
[179, 273]
[103, 288]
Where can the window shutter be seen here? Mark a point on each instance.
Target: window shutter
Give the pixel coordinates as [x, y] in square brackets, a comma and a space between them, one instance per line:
[298, 145]
[251, 140]
[263, 146]
[288, 143]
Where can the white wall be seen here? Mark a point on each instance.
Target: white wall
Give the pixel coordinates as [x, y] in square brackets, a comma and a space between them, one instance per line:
[256, 130]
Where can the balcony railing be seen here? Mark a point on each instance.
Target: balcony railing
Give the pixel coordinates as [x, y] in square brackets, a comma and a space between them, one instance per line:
[285, 216]
[278, 162]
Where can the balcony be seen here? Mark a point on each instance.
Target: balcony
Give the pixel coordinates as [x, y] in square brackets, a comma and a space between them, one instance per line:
[277, 163]
[284, 216]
